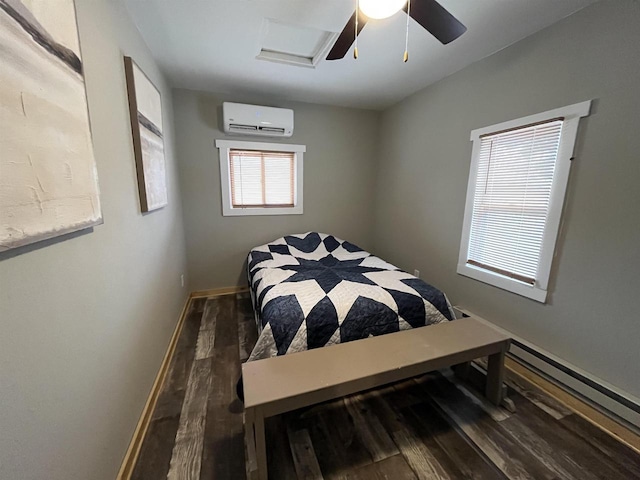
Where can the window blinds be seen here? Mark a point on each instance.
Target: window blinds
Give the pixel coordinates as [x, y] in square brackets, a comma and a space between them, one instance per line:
[511, 201]
[262, 178]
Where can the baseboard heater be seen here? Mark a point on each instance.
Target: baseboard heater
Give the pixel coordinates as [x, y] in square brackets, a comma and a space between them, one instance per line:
[606, 398]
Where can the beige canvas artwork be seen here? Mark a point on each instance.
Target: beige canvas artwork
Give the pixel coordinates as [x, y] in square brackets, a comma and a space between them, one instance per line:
[145, 106]
[48, 179]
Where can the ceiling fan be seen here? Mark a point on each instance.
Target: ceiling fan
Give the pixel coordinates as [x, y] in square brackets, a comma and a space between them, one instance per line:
[428, 13]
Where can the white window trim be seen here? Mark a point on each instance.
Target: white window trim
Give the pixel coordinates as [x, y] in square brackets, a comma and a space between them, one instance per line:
[538, 291]
[225, 178]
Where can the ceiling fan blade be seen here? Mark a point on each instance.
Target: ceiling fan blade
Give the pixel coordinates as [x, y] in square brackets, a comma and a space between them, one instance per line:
[436, 20]
[346, 38]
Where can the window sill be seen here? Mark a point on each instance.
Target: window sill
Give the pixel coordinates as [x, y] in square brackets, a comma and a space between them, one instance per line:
[240, 212]
[505, 283]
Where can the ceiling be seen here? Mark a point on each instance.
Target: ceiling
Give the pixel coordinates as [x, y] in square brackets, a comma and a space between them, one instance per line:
[212, 45]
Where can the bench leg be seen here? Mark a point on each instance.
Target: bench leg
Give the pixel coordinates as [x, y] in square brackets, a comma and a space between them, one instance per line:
[250, 439]
[495, 378]
[261, 447]
[256, 446]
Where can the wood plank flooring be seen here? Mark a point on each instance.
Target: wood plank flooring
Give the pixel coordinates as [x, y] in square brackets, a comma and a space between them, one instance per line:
[432, 427]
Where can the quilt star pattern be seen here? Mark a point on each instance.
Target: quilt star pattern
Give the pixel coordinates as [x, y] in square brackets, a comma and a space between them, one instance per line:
[312, 290]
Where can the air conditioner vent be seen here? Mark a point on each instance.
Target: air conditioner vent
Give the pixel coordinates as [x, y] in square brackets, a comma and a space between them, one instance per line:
[274, 130]
[243, 128]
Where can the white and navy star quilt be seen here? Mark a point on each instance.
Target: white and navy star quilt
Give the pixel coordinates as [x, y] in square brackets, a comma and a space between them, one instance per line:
[313, 290]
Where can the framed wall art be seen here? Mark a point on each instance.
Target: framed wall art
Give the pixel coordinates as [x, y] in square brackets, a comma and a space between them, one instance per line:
[145, 110]
[48, 178]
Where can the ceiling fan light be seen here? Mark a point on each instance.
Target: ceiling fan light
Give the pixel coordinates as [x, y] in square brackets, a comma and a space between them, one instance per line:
[378, 9]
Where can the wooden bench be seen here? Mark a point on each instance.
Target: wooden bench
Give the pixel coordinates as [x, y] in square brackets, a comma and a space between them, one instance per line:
[280, 384]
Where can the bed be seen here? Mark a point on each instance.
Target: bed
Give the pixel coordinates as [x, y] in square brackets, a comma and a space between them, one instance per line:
[314, 290]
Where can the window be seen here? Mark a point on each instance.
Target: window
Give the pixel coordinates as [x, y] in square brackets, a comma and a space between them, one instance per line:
[517, 183]
[260, 178]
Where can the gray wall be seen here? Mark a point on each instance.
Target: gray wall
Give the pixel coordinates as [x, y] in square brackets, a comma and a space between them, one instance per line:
[591, 317]
[86, 320]
[339, 176]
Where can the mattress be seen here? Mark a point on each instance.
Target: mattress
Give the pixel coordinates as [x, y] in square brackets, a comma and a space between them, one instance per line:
[313, 290]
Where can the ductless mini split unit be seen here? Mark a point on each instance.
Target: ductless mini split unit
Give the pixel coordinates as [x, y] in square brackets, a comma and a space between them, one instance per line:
[257, 120]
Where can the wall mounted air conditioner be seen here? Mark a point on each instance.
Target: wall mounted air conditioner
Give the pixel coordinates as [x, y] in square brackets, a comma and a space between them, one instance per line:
[256, 120]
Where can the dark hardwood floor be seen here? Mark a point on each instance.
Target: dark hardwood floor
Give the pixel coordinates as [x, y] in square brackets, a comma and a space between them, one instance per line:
[433, 427]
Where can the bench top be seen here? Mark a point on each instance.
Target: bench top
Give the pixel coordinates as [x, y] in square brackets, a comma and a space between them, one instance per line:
[368, 362]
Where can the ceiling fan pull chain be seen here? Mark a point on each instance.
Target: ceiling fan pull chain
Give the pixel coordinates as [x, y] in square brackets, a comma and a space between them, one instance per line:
[406, 40]
[355, 48]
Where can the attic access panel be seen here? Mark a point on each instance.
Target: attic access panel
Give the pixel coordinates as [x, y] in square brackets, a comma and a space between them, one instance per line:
[293, 44]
